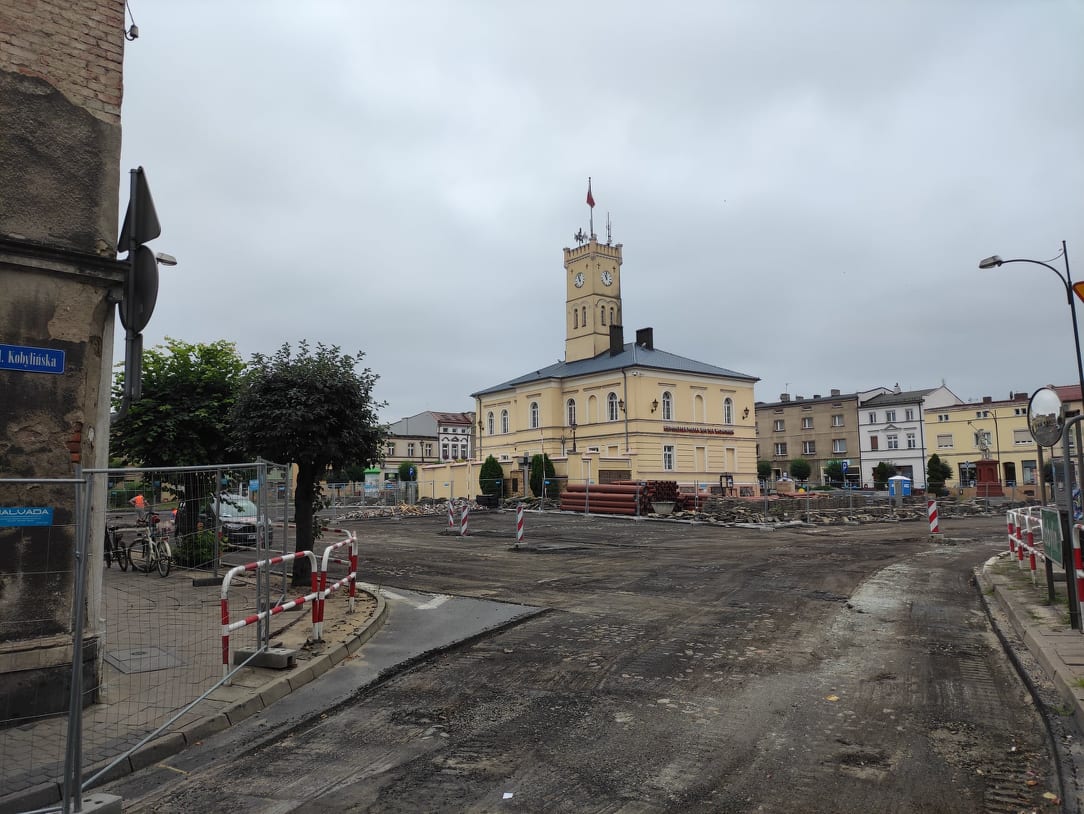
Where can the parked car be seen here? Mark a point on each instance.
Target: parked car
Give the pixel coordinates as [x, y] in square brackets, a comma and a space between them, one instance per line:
[237, 517]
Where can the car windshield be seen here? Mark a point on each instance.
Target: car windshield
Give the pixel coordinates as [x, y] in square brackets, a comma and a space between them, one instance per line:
[236, 506]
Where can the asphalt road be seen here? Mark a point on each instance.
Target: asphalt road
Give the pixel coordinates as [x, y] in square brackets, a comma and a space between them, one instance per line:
[679, 667]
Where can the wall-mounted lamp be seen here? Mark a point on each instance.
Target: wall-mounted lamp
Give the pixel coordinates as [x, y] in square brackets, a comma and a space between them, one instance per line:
[654, 405]
[621, 404]
[745, 413]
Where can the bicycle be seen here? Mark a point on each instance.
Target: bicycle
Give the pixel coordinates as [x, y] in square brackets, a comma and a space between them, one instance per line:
[153, 550]
[114, 549]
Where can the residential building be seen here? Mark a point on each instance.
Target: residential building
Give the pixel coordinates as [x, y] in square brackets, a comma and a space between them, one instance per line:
[818, 429]
[892, 430]
[427, 438]
[614, 410]
[965, 435]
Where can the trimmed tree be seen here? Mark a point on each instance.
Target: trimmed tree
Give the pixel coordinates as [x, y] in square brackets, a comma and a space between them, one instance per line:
[491, 477]
[833, 471]
[937, 472]
[800, 469]
[542, 469]
[881, 473]
[408, 471]
[312, 409]
[764, 470]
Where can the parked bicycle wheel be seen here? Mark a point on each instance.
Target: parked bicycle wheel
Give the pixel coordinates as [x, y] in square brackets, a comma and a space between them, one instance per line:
[164, 559]
[108, 547]
[139, 548]
[120, 552]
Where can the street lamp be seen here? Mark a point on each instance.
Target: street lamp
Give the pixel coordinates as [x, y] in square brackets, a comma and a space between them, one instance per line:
[1067, 282]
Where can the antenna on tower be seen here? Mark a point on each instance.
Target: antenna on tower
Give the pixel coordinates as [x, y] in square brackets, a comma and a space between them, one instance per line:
[609, 230]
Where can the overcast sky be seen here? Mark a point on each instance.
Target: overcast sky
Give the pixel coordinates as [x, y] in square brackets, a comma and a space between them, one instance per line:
[803, 189]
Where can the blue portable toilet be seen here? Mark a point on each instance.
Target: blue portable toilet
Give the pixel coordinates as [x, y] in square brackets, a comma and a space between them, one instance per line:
[899, 486]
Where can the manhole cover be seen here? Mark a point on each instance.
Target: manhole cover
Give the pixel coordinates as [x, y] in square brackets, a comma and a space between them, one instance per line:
[142, 660]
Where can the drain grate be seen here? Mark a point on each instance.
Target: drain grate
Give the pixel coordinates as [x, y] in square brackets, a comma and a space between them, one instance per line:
[143, 660]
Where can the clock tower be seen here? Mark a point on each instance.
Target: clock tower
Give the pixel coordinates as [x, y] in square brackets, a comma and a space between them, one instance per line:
[593, 298]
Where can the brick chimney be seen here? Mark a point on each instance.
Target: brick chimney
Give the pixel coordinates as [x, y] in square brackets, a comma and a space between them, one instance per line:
[645, 338]
[617, 340]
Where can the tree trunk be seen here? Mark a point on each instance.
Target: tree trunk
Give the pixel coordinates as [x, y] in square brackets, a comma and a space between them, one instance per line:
[303, 500]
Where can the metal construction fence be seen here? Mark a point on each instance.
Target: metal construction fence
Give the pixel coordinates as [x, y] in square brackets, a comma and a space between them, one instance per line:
[144, 623]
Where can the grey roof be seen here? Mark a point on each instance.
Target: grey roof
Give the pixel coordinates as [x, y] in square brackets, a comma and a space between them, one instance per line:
[806, 400]
[906, 397]
[632, 355]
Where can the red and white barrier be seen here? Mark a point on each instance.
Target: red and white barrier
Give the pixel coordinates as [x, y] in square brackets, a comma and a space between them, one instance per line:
[451, 516]
[228, 627]
[931, 511]
[324, 589]
[520, 508]
[464, 524]
[1026, 539]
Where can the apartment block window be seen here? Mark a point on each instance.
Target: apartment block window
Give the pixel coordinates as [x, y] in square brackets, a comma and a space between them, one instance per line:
[912, 442]
[873, 442]
[455, 450]
[837, 420]
[781, 450]
[428, 450]
[809, 447]
[611, 406]
[534, 415]
[839, 445]
[504, 421]
[668, 457]
[893, 441]
[779, 425]
[1022, 437]
[873, 418]
[807, 422]
[444, 451]
[410, 449]
[942, 417]
[944, 442]
[890, 416]
[667, 406]
[1030, 469]
[391, 450]
[909, 414]
[1019, 410]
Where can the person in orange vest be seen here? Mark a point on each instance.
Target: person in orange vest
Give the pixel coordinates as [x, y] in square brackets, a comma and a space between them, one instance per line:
[140, 504]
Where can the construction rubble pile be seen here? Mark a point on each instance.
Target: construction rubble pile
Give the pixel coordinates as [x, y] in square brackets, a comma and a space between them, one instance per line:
[812, 508]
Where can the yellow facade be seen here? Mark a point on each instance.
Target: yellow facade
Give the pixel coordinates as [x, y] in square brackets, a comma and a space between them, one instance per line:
[614, 410]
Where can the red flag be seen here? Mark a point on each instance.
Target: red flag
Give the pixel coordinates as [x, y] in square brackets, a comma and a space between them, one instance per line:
[590, 197]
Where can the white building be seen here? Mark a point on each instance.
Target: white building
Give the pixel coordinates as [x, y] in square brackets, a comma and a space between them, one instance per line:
[891, 430]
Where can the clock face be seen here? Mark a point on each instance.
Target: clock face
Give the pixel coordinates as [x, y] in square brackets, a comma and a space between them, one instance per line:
[607, 278]
[578, 280]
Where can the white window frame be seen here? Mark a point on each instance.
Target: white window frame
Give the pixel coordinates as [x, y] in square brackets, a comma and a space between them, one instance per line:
[912, 441]
[668, 457]
[504, 422]
[490, 422]
[781, 449]
[890, 416]
[837, 420]
[809, 447]
[945, 441]
[570, 412]
[779, 426]
[728, 410]
[611, 407]
[892, 441]
[807, 422]
[667, 405]
[533, 412]
[839, 446]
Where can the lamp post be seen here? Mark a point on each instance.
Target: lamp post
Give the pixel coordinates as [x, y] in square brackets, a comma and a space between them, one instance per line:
[1067, 282]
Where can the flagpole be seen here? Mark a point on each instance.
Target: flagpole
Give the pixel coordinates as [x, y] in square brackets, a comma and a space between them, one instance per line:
[591, 205]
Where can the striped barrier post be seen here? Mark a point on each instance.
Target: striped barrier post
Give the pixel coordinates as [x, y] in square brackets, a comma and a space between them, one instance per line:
[519, 523]
[931, 512]
[324, 589]
[1031, 551]
[451, 516]
[464, 522]
[1078, 568]
[1012, 531]
[228, 626]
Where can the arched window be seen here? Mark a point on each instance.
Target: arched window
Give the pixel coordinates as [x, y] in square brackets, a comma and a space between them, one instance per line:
[728, 410]
[603, 315]
[612, 315]
[575, 317]
[489, 422]
[570, 410]
[592, 409]
[504, 421]
[698, 407]
[534, 415]
[611, 406]
[667, 406]
[583, 315]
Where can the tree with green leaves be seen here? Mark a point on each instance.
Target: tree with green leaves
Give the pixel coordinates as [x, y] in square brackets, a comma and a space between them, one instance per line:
[937, 472]
[764, 470]
[542, 469]
[314, 409]
[833, 471]
[183, 416]
[408, 471]
[881, 473]
[491, 477]
[800, 469]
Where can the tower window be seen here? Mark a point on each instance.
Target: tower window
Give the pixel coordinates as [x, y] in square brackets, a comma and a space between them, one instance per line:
[603, 315]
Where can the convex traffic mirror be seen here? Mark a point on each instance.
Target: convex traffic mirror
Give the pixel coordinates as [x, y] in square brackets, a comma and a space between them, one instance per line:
[1045, 417]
